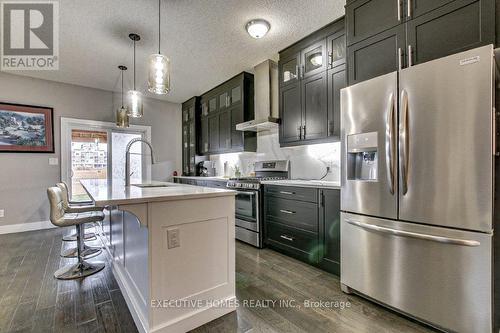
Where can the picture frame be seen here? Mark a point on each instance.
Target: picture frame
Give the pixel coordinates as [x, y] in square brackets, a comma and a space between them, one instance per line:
[26, 128]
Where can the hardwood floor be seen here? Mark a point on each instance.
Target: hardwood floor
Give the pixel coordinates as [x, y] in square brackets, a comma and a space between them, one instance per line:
[31, 300]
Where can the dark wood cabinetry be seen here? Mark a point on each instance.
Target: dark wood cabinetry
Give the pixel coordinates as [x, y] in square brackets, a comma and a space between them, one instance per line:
[329, 231]
[304, 68]
[190, 129]
[304, 223]
[384, 35]
[222, 108]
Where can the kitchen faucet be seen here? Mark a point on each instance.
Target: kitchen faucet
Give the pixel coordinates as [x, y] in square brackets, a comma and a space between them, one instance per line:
[127, 157]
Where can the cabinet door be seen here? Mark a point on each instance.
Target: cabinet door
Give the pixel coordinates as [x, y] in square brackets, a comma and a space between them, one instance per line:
[366, 18]
[204, 142]
[336, 81]
[329, 233]
[223, 97]
[419, 7]
[185, 149]
[224, 130]
[290, 113]
[456, 27]
[289, 69]
[236, 136]
[314, 59]
[377, 55]
[192, 147]
[212, 104]
[185, 114]
[336, 46]
[213, 133]
[235, 94]
[314, 107]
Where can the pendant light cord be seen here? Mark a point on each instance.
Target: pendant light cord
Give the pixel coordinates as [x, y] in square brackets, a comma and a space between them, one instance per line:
[122, 88]
[134, 64]
[159, 26]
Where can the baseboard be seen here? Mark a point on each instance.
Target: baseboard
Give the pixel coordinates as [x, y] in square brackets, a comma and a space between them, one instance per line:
[22, 227]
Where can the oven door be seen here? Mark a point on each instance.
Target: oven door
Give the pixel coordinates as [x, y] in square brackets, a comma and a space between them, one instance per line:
[247, 210]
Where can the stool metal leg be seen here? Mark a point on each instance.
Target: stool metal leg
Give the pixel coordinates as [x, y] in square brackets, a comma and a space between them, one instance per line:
[82, 268]
[89, 236]
[88, 252]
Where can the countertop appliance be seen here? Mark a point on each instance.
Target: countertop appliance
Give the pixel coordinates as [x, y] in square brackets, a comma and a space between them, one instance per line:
[206, 169]
[249, 204]
[419, 239]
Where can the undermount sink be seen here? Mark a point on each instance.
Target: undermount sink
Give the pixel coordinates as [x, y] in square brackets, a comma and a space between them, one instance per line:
[146, 185]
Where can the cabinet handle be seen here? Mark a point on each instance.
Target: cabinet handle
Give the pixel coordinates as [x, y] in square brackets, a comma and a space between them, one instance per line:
[299, 129]
[302, 70]
[304, 132]
[410, 56]
[288, 238]
[287, 211]
[285, 192]
[330, 59]
[297, 72]
[400, 54]
[399, 10]
[409, 8]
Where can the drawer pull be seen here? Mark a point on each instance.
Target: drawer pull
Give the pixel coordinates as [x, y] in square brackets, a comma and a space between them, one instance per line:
[286, 211]
[288, 238]
[286, 192]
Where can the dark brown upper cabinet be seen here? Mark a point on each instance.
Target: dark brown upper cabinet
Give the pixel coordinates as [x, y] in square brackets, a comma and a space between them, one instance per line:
[223, 107]
[337, 80]
[422, 31]
[365, 18]
[191, 111]
[377, 55]
[304, 93]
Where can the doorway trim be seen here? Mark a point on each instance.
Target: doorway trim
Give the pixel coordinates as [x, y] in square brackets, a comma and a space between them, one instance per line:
[67, 124]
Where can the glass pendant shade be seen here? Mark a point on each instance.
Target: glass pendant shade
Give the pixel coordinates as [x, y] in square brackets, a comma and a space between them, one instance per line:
[122, 119]
[159, 74]
[134, 108]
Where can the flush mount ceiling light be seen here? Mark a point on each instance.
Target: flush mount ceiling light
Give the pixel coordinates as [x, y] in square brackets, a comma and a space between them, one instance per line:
[159, 66]
[134, 97]
[122, 119]
[258, 28]
[316, 59]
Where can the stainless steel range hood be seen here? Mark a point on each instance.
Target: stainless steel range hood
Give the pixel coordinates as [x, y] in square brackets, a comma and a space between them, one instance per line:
[266, 99]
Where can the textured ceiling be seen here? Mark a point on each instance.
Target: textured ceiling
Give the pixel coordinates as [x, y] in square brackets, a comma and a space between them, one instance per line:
[205, 39]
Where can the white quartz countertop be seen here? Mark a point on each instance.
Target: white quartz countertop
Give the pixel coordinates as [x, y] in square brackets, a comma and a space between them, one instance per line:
[114, 192]
[304, 183]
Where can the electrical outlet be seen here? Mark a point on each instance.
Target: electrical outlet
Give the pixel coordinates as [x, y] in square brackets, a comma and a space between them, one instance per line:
[173, 238]
[2, 212]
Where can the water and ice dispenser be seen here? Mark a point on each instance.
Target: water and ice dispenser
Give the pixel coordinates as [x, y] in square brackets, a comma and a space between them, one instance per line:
[362, 156]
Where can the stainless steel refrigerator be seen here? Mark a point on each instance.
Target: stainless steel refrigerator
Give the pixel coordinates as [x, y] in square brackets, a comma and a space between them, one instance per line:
[417, 190]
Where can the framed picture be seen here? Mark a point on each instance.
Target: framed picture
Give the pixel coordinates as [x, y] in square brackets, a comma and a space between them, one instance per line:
[26, 128]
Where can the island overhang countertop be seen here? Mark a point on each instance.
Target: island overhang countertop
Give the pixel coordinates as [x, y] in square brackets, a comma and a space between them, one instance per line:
[114, 192]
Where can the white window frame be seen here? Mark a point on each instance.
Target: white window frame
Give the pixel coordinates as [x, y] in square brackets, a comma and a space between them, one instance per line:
[68, 124]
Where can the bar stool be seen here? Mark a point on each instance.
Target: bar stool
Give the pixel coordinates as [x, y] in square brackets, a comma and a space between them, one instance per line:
[61, 219]
[71, 205]
[88, 251]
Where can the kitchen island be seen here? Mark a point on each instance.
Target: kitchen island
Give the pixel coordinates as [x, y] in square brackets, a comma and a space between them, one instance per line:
[172, 248]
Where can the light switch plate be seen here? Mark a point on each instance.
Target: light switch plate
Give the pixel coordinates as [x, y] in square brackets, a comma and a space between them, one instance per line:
[173, 238]
[53, 161]
[2, 212]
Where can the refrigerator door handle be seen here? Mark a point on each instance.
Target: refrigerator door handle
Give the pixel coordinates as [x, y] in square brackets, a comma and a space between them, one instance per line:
[395, 232]
[404, 142]
[389, 143]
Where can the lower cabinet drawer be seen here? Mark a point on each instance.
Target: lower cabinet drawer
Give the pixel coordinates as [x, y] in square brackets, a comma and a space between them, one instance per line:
[300, 244]
[296, 214]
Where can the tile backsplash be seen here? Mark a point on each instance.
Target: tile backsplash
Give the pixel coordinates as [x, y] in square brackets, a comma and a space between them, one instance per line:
[306, 162]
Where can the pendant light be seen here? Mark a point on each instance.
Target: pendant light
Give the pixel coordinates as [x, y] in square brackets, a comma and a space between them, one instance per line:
[159, 66]
[135, 109]
[122, 119]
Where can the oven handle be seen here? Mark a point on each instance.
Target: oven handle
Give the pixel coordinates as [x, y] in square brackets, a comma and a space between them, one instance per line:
[246, 193]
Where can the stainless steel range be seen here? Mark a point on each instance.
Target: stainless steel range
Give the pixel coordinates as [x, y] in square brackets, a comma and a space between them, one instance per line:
[249, 204]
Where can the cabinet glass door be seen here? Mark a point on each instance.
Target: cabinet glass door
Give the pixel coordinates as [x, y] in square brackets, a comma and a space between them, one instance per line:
[314, 59]
[235, 95]
[212, 104]
[289, 71]
[223, 100]
[336, 49]
[185, 149]
[192, 148]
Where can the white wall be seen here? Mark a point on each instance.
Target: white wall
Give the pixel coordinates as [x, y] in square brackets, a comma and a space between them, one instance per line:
[25, 177]
[306, 162]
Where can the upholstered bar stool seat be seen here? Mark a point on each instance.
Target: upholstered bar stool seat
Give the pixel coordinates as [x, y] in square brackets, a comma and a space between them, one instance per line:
[60, 218]
[88, 251]
[77, 207]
